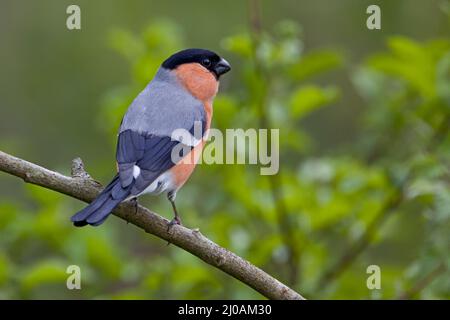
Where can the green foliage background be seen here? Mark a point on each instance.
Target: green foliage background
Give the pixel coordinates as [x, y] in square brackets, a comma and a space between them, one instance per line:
[365, 148]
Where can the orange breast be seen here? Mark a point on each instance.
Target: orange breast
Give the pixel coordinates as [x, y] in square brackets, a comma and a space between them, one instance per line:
[199, 81]
[183, 169]
[203, 85]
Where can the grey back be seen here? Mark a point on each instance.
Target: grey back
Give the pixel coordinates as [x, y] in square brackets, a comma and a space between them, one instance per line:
[162, 107]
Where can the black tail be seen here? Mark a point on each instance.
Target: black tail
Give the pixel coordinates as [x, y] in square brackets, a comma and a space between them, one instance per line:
[99, 209]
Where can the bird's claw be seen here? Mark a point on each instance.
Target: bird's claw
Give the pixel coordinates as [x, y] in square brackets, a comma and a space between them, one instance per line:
[174, 221]
[135, 203]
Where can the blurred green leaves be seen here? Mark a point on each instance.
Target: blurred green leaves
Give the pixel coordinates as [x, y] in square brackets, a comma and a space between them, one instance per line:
[43, 273]
[144, 53]
[312, 215]
[408, 117]
[405, 53]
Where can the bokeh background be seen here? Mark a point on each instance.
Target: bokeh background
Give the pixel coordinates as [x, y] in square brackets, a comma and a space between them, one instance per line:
[365, 146]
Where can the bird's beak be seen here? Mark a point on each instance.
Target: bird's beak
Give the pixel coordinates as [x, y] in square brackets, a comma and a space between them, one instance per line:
[222, 67]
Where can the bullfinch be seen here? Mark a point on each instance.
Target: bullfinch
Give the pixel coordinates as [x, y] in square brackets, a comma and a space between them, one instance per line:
[179, 97]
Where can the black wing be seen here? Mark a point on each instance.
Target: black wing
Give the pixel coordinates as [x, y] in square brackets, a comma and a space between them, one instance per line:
[151, 153]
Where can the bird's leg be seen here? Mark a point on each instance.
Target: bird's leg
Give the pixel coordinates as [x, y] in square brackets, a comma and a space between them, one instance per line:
[176, 219]
[135, 202]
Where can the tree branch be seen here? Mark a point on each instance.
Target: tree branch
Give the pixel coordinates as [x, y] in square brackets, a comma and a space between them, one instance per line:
[82, 187]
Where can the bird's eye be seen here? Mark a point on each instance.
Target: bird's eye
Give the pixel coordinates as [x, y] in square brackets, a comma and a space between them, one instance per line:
[206, 62]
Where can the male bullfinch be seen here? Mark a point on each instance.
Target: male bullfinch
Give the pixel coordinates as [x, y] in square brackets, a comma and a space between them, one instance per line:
[179, 97]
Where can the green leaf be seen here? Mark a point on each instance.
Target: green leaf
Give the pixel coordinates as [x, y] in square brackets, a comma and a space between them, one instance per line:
[8, 213]
[315, 63]
[45, 272]
[5, 269]
[102, 255]
[309, 98]
[410, 62]
[226, 108]
[126, 44]
[163, 35]
[240, 44]
[407, 50]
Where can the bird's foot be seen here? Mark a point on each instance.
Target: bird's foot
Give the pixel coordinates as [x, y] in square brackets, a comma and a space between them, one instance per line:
[174, 221]
[135, 203]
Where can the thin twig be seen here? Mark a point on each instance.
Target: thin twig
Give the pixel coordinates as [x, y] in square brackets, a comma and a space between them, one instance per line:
[424, 282]
[391, 206]
[334, 271]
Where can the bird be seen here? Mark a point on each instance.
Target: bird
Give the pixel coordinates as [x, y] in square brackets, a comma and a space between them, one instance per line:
[180, 96]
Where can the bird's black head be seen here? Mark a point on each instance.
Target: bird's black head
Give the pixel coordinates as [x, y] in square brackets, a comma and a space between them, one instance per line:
[206, 58]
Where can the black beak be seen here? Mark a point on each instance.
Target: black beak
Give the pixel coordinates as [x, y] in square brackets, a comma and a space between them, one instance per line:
[221, 67]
